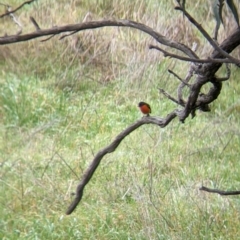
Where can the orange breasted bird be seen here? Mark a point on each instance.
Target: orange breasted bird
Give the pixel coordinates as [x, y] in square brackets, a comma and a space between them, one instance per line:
[145, 108]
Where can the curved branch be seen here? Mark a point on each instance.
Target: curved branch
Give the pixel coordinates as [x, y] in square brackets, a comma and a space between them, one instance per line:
[161, 122]
[98, 24]
[16, 9]
[212, 94]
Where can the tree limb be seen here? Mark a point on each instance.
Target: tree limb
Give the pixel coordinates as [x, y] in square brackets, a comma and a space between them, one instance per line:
[207, 36]
[98, 24]
[187, 59]
[161, 122]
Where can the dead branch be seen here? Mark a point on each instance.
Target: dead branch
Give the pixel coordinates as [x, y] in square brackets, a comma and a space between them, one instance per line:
[207, 36]
[206, 73]
[180, 79]
[34, 22]
[194, 60]
[98, 24]
[187, 78]
[221, 192]
[48, 38]
[162, 122]
[167, 95]
[219, 5]
[183, 85]
[67, 35]
[123, 23]
[16, 9]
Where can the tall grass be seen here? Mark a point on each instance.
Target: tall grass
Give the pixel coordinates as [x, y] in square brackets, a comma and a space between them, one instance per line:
[62, 101]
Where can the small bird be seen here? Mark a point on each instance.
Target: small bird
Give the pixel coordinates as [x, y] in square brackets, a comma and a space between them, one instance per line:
[145, 108]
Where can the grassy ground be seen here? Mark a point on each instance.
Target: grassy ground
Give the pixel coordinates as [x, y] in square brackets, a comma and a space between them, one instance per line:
[62, 101]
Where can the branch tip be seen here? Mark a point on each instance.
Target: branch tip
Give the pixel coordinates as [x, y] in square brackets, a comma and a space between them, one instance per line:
[220, 192]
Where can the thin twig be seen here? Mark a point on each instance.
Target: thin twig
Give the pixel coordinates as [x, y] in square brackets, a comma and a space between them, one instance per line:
[67, 35]
[16, 9]
[207, 36]
[67, 165]
[183, 85]
[217, 9]
[195, 60]
[227, 77]
[170, 97]
[221, 192]
[180, 79]
[35, 24]
[48, 38]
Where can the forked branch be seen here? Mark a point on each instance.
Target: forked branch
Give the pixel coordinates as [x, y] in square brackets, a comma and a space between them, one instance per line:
[207, 36]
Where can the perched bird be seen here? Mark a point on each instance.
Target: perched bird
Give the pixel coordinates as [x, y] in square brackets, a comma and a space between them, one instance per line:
[145, 108]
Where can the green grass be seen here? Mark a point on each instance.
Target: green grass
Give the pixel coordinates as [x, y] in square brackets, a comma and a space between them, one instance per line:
[59, 107]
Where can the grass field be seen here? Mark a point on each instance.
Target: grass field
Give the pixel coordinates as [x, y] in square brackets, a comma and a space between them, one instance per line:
[62, 101]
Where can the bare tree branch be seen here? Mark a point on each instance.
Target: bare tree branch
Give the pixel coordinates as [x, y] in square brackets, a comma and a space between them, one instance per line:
[180, 79]
[67, 35]
[124, 23]
[170, 97]
[182, 85]
[35, 24]
[48, 38]
[209, 60]
[219, 191]
[207, 36]
[16, 9]
[98, 24]
[162, 122]
[206, 73]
